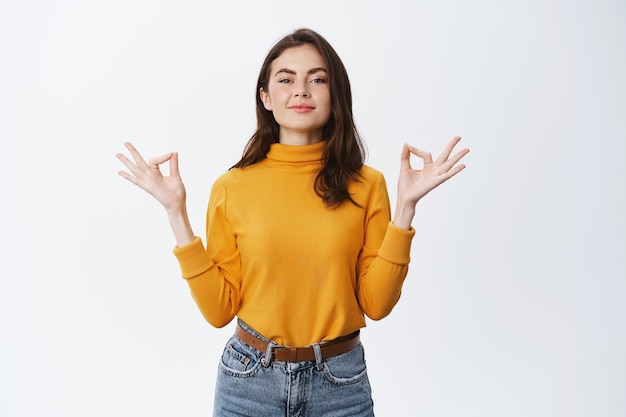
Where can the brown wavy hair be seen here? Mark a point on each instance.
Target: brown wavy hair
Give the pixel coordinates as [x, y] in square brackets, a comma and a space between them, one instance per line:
[344, 153]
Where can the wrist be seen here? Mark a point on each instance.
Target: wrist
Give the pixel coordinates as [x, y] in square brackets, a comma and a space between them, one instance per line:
[176, 212]
[404, 215]
[179, 222]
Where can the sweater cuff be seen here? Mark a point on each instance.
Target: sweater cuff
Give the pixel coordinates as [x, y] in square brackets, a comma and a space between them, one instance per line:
[396, 246]
[192, 258]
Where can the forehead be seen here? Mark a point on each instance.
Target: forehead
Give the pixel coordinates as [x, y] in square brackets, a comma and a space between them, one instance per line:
[302, 57]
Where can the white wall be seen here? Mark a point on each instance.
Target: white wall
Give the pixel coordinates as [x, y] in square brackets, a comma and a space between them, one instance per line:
[514, 302]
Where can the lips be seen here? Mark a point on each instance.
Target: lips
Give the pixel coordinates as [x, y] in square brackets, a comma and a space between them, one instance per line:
[301, 108]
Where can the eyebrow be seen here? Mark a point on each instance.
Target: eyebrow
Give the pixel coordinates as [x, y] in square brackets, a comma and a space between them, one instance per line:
[309, 72]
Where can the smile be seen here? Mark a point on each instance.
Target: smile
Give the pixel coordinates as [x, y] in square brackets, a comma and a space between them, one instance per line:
[301, 108]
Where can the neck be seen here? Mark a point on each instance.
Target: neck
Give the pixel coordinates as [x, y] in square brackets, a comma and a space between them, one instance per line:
[295, 138]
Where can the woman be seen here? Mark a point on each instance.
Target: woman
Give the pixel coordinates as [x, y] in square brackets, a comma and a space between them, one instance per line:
[300, 245]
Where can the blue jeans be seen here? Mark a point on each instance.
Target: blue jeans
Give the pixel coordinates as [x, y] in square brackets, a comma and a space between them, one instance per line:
[248, 385]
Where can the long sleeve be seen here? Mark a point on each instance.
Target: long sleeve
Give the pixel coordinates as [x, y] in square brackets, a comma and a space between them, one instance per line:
[214, 273]
[384, 260]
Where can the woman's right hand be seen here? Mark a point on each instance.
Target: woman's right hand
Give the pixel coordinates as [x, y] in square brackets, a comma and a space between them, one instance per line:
[168, 190]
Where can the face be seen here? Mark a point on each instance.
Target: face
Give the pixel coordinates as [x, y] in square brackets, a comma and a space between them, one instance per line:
[298, 95]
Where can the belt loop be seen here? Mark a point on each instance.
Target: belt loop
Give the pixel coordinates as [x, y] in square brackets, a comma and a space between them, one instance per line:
[319, 361]
[267, 359]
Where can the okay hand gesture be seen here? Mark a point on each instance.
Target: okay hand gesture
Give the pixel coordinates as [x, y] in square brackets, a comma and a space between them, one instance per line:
[168, 190]
[413, 183]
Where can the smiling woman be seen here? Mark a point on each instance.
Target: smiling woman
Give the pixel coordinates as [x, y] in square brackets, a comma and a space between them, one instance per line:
[298, 95]
[300, 244]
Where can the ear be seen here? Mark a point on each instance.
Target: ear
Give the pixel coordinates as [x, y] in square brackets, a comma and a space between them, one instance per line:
[265, 98]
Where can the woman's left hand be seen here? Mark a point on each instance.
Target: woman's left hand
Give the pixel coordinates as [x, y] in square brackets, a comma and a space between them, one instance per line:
[413, 184]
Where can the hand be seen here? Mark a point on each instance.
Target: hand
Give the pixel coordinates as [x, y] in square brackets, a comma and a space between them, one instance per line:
[413, 184]
[169, 191]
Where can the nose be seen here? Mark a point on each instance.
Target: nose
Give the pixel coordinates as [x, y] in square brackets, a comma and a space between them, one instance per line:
[301, 90]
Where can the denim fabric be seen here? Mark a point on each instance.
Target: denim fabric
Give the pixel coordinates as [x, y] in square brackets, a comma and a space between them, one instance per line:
[247, 385]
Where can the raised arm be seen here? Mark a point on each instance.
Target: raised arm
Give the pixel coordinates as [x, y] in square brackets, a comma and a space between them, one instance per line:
[167, 190]
[413, 184]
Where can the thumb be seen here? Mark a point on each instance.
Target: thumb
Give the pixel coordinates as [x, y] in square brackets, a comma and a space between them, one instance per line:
[405, 157]
[174, 165]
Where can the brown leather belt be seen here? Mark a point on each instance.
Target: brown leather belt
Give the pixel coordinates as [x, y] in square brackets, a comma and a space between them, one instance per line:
[334, 347]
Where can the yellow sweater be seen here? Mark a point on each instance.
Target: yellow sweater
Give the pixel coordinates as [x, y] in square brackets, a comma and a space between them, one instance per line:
[292, 269]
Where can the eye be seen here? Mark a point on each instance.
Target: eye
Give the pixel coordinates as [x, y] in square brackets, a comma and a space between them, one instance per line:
[318, 80]
[284, 80]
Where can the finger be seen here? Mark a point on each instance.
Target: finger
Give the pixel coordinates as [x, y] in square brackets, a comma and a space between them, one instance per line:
[405, 158]
[454, 160]
[448, 150]
[131, 166]
[174, 165]
[129, 177]
[424, 155]
[136, 155]
[155, 162]
[451, 173]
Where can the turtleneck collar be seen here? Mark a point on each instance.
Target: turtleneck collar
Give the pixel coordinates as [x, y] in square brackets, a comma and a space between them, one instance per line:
[289, 153]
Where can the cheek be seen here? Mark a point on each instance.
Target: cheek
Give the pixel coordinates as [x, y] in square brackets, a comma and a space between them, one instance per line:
[327, 98]
[329, 104]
